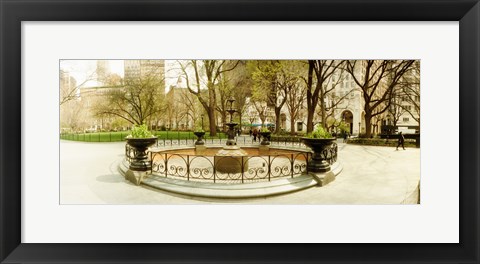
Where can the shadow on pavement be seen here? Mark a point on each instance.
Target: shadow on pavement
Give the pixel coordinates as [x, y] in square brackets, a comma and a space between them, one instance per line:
[112, 178]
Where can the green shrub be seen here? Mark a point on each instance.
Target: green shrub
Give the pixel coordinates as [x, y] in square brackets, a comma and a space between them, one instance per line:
[264, 129]
[320, 132]
[140, 131]
[380, 142]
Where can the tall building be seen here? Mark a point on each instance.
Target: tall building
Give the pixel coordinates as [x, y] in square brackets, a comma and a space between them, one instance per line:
[102, 71]
[67, 82]
[68, 87]
[139, 69]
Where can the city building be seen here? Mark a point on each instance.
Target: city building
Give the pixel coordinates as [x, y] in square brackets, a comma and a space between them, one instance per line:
[102, 72]
[135, 69]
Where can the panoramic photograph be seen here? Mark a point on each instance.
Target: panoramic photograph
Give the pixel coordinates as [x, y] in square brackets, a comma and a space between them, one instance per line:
[299, 132]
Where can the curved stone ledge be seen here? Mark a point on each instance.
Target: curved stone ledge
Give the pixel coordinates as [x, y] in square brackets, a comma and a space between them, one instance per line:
[234, 191]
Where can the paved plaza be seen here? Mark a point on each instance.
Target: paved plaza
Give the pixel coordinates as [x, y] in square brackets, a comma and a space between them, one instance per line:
[371, 175]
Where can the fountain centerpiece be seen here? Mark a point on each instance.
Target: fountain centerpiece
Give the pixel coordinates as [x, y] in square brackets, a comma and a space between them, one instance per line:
[230, 158]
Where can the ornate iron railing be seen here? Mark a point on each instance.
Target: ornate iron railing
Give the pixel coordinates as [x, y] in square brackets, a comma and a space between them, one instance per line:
[250, 168]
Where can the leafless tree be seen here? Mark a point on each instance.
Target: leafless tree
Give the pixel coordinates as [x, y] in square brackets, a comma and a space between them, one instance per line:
[224, 92]
[396, 109]
[138, 101]
[335, 102]
[270, 81]
[72, 115]
[295, 92]
[191, 105]
[319, 84]
[241, 82]
[377, 79]
[206, 73]
[69, 89]
[262, 110]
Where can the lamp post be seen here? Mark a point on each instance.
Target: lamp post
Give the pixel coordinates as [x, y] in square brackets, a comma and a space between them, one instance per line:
[202, 122]
[231, 125]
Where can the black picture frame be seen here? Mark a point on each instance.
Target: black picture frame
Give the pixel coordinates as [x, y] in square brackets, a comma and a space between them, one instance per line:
[13, 12]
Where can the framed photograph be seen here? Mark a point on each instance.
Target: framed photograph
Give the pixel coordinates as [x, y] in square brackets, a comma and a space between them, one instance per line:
[112, 150]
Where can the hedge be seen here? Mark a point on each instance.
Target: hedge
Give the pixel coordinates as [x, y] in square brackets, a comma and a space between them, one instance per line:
[381, 142]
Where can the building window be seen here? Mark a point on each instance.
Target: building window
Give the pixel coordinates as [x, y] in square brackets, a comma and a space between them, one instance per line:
[406, 119]
[299, 126]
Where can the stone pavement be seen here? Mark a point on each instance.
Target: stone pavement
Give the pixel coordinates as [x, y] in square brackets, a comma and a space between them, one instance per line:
[371, 175]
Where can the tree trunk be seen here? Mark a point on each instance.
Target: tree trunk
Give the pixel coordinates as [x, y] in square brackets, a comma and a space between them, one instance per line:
[310, 103]
[240, 120]
[368, 125]
[292, 126]
[323, 114]
[211, 121]
[211, 107]
[277, 119]
[224, 120]
[310, 115]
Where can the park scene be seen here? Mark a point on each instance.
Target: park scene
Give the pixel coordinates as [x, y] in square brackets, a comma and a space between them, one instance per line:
[239, 132]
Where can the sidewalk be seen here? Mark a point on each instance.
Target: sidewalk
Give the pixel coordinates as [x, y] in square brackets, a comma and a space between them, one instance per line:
[371, 175]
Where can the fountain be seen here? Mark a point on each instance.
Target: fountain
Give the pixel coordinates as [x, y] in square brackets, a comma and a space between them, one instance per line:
[229, 159]
[254, 171]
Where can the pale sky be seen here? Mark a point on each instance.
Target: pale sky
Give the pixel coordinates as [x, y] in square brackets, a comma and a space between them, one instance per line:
[82, 69]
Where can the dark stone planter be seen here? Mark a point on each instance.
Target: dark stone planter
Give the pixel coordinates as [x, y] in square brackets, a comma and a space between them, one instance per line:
[317, 162]
[140, 160]
[265, 138]
[199, 138]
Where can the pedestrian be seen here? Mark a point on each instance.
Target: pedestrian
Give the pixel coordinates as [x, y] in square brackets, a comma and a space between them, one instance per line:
[250, 132]
[401, 140]
[255, 135]
[345, 137]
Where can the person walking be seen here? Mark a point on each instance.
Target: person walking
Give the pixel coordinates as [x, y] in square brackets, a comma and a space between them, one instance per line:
[345, 136]
[254, 135]
[401, 140]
